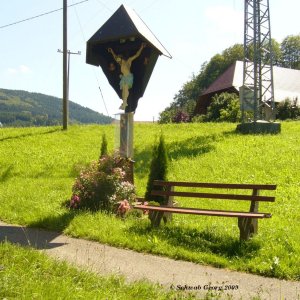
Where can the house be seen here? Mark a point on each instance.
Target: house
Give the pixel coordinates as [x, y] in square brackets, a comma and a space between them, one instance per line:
[286, 85]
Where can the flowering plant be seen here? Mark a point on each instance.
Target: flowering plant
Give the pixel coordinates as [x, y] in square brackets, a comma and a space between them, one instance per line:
[123, 208]
[103, 185]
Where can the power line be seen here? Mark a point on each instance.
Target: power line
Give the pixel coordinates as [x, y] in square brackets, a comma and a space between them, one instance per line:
[41, 15]
[84, 38]
[104, 5]
[102, 97]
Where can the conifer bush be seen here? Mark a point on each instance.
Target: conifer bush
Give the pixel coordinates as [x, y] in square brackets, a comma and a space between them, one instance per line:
[103, 146]
[158, 170]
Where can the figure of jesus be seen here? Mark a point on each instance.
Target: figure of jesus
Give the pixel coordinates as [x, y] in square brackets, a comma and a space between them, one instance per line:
[126, 81]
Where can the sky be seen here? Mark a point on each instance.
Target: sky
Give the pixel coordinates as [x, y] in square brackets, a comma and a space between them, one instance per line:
[192, 31]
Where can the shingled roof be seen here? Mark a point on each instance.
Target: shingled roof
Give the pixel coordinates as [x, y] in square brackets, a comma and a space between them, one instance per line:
[224, 81]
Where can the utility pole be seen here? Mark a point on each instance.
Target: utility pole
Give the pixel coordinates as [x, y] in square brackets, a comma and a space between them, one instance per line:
[69, 53]
[67, 85]
[66, 67]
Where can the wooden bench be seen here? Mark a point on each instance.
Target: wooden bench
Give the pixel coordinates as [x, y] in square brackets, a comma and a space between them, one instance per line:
[247, 220]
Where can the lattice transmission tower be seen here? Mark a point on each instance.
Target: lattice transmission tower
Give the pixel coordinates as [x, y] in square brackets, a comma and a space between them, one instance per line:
[257, 93]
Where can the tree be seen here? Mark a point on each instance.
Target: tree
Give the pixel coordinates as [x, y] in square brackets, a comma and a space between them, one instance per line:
[158, 170]
[167, 115]
[35, 109]
[290, 48]
[218, 64]
[103, 146]
[277, 54]
[232, 113]
[224, 108]
[187, 97]
[189, 91]
[286, 54]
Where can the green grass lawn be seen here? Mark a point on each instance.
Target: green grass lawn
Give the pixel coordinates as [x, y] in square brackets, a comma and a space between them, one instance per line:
[39, 165]
[27, 274]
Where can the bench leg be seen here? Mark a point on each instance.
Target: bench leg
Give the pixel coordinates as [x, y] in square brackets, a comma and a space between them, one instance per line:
[167, 217]
[155, 218]
[248, 227]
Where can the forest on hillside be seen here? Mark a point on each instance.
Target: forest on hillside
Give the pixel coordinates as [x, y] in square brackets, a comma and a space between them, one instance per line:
[22, 108]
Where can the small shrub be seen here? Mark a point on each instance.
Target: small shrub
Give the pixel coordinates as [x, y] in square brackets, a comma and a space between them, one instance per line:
[181, 117]
[158, 170]
[288, 109]
[134, 214]
[232, 112]
[103, 186]
[103, 146]
[154, 216]
[224, 108]
[199, 119]
[166, 116]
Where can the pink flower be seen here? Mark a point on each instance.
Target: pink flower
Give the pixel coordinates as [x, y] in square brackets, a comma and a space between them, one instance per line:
[75, 200]
[124, 206]
[119, 172]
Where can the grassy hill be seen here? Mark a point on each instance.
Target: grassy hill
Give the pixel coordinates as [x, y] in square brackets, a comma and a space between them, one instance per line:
[21, 108]
[38, 167]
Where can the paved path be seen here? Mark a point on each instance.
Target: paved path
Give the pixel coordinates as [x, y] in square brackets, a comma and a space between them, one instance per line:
[175, 274]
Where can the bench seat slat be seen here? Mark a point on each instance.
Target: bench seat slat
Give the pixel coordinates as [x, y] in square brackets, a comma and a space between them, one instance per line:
[216, 185]
[220, 213]
[213, 196]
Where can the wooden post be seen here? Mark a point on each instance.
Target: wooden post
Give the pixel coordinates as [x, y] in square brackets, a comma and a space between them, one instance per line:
[245, 228]
[126, 135]
[126, 141]
[155, 218]
[249, 226]
[254, 208]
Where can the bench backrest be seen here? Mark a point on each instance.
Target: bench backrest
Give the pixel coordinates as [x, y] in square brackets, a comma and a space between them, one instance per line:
[169, 191]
